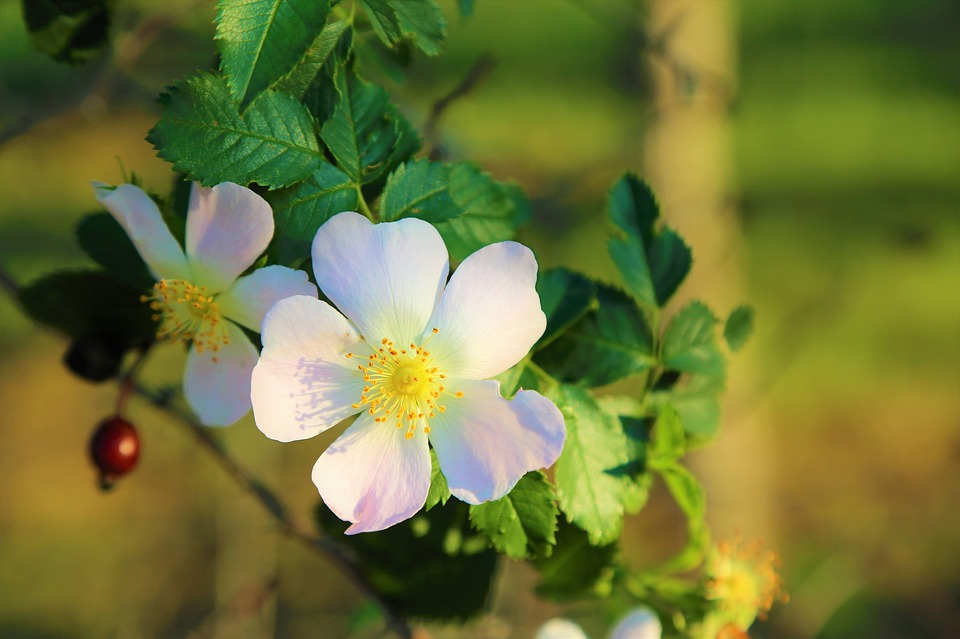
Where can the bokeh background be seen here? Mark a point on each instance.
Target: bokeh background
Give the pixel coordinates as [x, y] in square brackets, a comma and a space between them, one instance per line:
[810, 151]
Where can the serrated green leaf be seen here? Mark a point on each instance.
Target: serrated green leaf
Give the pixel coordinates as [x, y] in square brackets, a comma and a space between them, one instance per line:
[690, 497]
[490, 211]
[103, 239]
[419, 189]
[300, 210]
[690, 342]
[653, 262]
[432, 566]
[697, 403]
[261, 40]
[421, 20]
[575, 567]
[515, 378]
[365, 133]
[70, 31]
[738, 327]
[523, 523]
[323, 48]
[669, 441]
[203, 134]
[439, 490]
[595, 468]
[565, 297]
[86, 303]
[609, 343]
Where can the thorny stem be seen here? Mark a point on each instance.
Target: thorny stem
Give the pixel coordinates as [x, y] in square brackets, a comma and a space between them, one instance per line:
[335, 553]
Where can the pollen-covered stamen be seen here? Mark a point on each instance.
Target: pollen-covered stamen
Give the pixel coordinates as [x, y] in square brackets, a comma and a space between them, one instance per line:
[404, 385]
[187, 314]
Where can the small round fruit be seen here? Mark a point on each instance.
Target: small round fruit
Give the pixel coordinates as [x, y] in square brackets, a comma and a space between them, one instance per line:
[114, 449]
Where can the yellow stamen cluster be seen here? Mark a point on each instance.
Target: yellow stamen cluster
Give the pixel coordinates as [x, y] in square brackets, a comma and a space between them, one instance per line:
[743, 581]
[403, 385]
[187, 314]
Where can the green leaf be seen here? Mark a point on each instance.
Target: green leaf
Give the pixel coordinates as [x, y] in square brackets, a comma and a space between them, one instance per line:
[609, 343]
[697, 403]
[653, 262]
[596, 466]
[439, 491]
[690, 342]
[490, 211]
[669, 440]
[431, 566]
[466, 8]
[261, 40]
[565, 297]
[739, 327]
[300, 210]
[421, 20]
[103, 239]
[576, 567]
[523, 523]
[86, 303]
[70, 31]
[203, 134]
[689, 496]
[515, 378]
[365, 133]
[419, 189]
[323, 48]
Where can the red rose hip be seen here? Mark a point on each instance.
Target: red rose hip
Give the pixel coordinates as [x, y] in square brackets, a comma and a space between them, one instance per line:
[114, 449]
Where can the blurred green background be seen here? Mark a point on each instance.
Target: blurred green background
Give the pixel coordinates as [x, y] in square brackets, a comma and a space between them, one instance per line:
[841, 182]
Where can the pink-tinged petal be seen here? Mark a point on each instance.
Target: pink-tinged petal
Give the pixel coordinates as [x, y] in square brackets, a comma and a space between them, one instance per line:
[560, 629]
[385, 277]
[485, 443]
[251, 296]
[304, 382]
[143, 222]
[373, 476]
[489, 315]
[641, 623]
[228, 227]
[219, 391]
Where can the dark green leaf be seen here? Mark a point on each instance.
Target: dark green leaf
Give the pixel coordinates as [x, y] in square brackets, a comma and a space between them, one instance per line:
[431, 566]
[638, 482]
[739, 327]
[419, 189]
[596, 465]
[439, 491]
[608, 343]
[69, 31]
[365, 133]
[653, 262]
[491, 211]
[203, 135]
[104, 240]
[421, 20]
[300, 210]
[523, 522]
[88, 303]
[320, 51]
[690, 342]
[565, 297]
[261, 40]
[575, 567]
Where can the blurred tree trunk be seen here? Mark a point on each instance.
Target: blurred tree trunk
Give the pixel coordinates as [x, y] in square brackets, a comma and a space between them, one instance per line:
[689, 160]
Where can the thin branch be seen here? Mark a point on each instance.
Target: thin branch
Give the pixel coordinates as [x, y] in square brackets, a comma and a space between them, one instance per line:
[335, 553]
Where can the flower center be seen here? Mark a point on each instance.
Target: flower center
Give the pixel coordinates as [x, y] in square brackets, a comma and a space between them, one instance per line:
[404, 385]
[187, 314]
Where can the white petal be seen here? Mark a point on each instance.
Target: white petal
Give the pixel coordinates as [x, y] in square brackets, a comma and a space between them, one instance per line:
[304, 383]
[219, 391]
[228, 227]
[386, 277]
[485, 443]
[372, 476]
[489, 315]
[141, 219]
[641, 623]
[251, 296]
[560, 629]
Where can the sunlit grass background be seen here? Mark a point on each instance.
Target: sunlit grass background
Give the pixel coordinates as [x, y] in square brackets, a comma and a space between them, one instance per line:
[846, 156]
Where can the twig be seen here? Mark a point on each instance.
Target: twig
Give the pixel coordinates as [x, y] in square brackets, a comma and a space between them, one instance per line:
[330, 550]
[483, 66]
